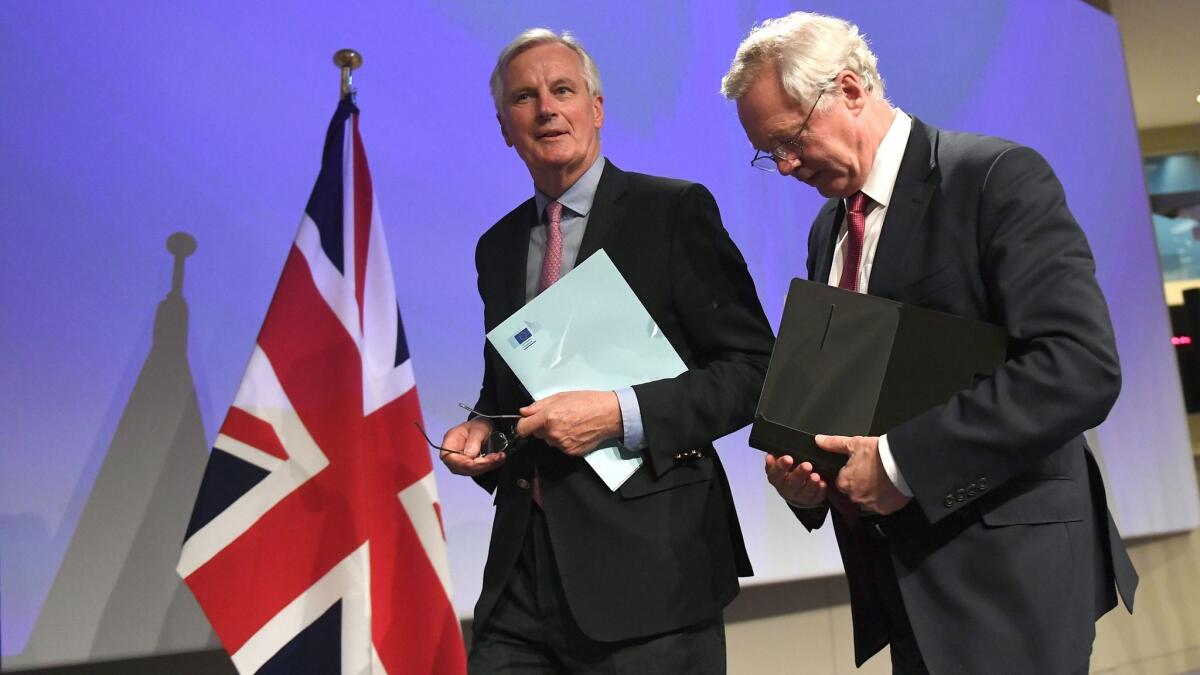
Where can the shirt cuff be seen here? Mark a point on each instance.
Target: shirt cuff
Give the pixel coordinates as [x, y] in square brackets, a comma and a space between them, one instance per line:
[631, 420]
[891, 468]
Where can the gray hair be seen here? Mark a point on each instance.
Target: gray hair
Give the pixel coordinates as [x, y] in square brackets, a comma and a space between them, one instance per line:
[810, 50]
[532, 38]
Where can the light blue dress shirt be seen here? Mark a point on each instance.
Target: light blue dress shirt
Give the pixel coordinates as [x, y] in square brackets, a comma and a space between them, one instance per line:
[577, 205]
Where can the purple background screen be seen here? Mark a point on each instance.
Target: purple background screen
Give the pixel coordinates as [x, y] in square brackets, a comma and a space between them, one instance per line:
[125, 123]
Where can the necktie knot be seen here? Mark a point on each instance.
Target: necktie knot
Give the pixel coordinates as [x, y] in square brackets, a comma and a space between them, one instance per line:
[857, 203]
[554, 213]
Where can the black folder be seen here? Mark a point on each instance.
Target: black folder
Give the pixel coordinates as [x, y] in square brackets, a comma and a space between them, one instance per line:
[851, 364]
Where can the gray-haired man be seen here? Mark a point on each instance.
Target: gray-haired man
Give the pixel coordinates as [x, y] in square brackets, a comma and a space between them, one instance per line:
[976, 536]
[580, 578]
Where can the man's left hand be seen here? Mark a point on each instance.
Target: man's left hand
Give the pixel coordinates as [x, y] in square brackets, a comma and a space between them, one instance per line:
[863, 479]
[573, 421]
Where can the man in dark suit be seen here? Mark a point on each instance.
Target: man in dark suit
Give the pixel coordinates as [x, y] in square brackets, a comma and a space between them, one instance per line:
[581, 578]
[975, 537]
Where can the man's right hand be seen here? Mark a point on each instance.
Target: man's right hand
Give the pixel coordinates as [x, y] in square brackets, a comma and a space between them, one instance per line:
[467, 439]
[797, 484]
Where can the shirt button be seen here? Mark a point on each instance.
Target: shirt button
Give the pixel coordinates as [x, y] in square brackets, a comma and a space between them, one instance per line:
[522, 483]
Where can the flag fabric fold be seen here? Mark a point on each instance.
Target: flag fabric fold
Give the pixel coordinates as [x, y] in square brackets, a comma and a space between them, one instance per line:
[316, 543]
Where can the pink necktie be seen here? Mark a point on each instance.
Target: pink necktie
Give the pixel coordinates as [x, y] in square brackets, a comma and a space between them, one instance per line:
[551, 268]
[552, 260]
[856, 228]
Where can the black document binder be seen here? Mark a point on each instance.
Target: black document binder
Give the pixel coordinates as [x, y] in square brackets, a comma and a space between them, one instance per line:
[857, 365]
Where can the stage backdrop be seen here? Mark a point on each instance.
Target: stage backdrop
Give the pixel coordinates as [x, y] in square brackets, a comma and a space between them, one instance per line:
[126, 123]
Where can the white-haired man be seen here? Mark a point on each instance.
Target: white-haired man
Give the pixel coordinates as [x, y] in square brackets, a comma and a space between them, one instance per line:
[580, 578]
[976, 536]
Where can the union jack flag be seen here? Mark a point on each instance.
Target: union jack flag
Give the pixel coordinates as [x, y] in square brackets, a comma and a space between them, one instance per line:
[316, 543]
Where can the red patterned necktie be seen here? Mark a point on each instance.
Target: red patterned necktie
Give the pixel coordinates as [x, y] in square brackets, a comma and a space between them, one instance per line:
[551, 269]
[856, 229]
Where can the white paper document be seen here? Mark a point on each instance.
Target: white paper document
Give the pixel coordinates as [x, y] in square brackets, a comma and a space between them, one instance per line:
[588, 331]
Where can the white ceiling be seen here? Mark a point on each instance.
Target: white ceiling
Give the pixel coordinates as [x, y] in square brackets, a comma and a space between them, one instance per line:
[1162, 50]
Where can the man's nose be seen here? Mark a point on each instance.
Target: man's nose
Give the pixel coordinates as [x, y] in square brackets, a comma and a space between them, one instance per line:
[546, 107]
[787, 166]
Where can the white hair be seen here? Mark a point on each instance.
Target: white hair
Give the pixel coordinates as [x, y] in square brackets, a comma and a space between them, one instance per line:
[532, 38]
[809, 50]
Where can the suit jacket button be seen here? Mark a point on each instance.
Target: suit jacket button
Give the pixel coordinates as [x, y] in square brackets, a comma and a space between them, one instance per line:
[522, 483]
[972, 490]
[961, 495]
[948, 501]
[982, 482]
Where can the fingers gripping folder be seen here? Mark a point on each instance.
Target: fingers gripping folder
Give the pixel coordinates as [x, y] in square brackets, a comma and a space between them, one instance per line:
[858, 365]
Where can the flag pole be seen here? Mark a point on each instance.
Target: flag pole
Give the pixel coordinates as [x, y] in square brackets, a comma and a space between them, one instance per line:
[347, 60]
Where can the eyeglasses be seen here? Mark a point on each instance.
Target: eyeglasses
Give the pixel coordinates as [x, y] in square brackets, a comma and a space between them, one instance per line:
[786, 151]
[497, 441]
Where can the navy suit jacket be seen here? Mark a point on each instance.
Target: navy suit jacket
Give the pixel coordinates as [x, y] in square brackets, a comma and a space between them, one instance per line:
[664, 551]
[1007, 553]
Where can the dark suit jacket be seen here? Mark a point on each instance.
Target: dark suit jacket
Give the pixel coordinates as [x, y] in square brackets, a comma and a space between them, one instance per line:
[664, 550]
[1007, 553]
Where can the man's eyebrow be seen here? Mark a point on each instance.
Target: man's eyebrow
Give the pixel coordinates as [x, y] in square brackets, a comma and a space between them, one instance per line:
[772, 140]
[780, 133]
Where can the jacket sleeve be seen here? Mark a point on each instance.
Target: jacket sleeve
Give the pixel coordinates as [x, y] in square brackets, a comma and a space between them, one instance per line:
[1061, 376]
[723, 324]
[486, 403]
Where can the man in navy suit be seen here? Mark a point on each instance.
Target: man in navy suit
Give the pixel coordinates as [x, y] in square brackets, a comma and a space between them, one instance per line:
[975, 537]
[581, 578]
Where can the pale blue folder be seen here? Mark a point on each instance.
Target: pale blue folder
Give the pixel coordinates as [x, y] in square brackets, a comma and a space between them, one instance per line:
[588, 331]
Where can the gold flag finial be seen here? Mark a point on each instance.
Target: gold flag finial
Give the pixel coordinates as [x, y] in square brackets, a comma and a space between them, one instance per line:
[347, 60]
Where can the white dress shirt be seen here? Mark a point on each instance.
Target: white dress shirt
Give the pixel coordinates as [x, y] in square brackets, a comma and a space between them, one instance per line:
[878, 189]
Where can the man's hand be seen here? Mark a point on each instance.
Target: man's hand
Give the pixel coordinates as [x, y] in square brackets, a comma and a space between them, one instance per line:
[573, 421]
[467, 438]
[795, 483]
[863, 479]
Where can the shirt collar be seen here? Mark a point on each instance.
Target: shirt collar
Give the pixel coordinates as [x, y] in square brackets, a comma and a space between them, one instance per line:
[882, 179]
[579, 197]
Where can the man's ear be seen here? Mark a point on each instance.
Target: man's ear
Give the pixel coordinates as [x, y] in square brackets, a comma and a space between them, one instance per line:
[598, 111]
[853, 92]
[503, 131]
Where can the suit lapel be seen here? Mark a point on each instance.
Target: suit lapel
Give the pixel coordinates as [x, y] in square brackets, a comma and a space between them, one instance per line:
[916, 182]
[606, 211]
[826, 225]
[514, 256]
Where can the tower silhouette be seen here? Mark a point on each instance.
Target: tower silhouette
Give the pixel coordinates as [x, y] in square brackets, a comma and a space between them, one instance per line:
[116, 593]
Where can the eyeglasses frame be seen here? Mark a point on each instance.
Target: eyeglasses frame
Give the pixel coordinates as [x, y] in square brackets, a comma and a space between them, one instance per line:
[781, 153]
[507, 441]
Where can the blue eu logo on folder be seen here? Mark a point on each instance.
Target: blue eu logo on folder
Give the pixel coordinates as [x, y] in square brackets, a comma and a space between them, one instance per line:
[519, 340]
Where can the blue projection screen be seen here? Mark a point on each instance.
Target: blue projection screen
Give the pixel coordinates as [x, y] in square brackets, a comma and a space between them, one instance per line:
[127, 123]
